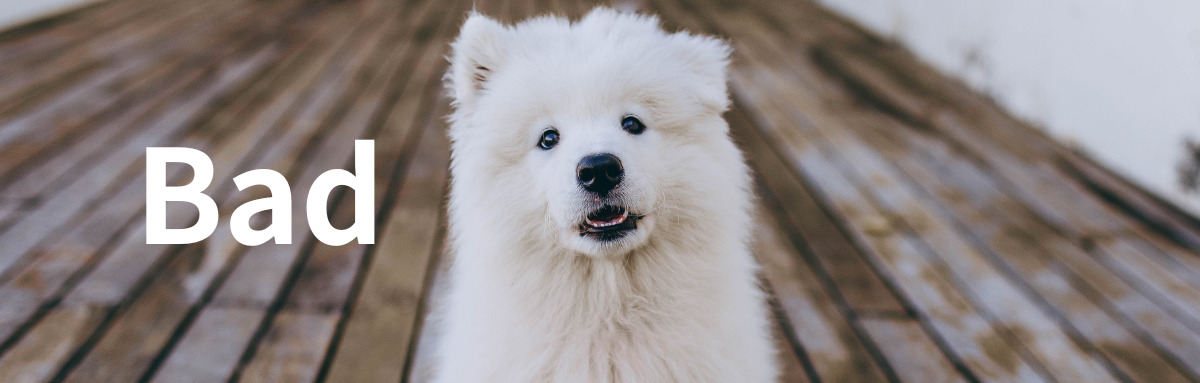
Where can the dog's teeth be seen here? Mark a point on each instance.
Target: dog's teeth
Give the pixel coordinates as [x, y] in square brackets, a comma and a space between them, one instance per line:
[613, 222]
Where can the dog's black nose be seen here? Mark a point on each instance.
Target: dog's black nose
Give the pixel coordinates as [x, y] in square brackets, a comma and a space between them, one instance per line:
[599, 172]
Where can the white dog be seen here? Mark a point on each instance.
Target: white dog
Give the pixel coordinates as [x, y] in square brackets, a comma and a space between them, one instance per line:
[599, 212]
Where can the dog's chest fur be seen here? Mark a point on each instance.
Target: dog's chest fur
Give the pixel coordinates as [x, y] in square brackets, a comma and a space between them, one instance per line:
[598, 320]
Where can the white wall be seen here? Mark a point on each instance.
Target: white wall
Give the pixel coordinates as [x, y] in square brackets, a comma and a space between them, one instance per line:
[1119, 77]
[16, 11]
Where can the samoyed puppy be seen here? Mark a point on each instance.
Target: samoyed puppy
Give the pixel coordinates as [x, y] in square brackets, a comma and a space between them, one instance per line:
[599, 212]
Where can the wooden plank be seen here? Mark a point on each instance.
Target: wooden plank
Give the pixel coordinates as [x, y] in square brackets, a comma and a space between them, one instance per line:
[72, 257]
[37, 285]
[1149, 273]
[60, 207]
[174, 308]
[329, 274]
[238, 71]
[328, 277]
[791, 365]
[397, 139]
[521, 9]
[424, 360]
[131, 341]
[299, 334]
[293, 349]
[1184, 263]
[1018, 240]
[9, 210]
[1125, 203]
[160, 42]
[572, 9]
[137, 251]
[117, 124]
[301, 83]
[1085, 220]
[1089, 216]
[61, 71]
[26, 36]
[260, 276]
[198, 342]
[826, 335]
[257, 279]
[1156, 213]
[41, 176]
[829, 338]
[983, 347]
[325, 282]
[40, 355]
[990, 290]
[35, 42]
[988, 287]
[127, 346]
[77, 116]
[189, 358]
[857, 281]
[914, 356]
[387, 304]
[74, 253]
[201, 356]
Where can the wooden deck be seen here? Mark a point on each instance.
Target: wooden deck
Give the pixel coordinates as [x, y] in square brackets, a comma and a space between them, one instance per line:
[910, 230]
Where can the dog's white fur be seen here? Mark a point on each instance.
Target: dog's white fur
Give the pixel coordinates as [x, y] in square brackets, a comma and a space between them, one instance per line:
[530, 299]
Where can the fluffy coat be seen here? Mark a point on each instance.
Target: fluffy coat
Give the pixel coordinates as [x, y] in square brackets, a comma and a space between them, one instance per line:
[530, 299]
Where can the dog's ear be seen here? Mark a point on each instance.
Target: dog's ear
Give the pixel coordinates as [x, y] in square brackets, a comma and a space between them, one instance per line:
[708, 59]
[474, 56]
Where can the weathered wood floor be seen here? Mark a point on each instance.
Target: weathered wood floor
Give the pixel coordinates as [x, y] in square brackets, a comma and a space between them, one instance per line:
[909, 229]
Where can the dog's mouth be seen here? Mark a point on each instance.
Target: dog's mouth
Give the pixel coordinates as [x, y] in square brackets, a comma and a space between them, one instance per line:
[607, 223]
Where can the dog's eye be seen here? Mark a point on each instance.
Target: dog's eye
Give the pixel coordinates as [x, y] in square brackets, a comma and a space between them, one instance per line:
[633, 125]
[549, 139]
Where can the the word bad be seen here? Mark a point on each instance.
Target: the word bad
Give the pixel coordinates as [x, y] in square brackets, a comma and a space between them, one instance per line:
[279, 203]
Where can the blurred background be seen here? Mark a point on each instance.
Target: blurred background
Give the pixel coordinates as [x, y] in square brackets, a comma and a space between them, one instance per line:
[1118, 79]
[17, 11]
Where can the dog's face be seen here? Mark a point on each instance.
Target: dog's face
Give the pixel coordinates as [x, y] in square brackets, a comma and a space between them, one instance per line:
[589, 136]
